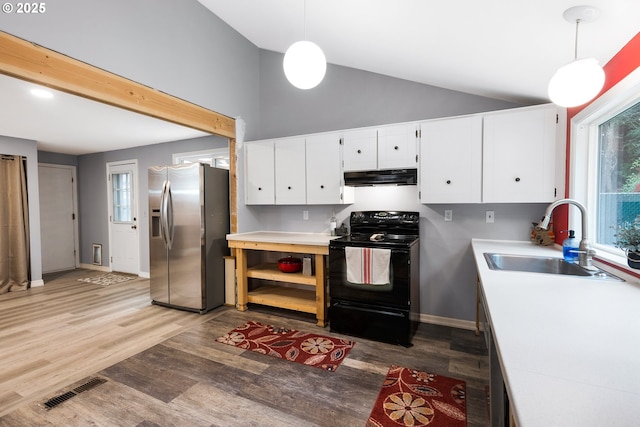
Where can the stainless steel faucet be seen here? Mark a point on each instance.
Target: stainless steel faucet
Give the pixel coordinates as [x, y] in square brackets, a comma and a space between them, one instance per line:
[585, 253]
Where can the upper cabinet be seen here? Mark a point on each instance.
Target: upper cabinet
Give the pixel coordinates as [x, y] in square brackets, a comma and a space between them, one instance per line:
[521, 151]
[259, 173]
[387, 147]
[360, 150]
[508, 156]
[451, 160]
[296, 171]
[325, 184]
[290, 174]
[397, 146]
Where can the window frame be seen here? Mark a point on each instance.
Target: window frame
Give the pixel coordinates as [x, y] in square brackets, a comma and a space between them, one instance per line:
[115, 200]
[214, 153]
[583, 165]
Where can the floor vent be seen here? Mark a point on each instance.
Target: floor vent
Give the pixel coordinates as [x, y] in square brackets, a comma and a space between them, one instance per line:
[89, 385]
[55, 401]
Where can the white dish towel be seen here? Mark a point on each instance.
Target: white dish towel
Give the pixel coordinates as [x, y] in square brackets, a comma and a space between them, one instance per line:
[367, 266]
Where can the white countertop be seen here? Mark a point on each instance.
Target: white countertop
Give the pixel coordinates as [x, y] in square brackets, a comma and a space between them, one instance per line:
[569, 347]
[316, 239]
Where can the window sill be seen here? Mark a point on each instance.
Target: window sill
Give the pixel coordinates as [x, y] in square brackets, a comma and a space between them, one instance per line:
[616, 264]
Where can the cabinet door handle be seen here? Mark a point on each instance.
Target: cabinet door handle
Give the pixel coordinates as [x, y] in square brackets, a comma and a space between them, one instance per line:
[289, 188]
[259, 188]
[359, 151]
[518, 179]
[395, 148]
[322, 186]
[448, 181]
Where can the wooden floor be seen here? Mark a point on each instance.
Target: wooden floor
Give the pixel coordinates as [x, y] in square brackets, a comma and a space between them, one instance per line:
[163, 368]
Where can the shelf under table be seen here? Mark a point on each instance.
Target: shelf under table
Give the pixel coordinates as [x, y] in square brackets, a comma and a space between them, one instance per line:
[270, 271]
[284, 297]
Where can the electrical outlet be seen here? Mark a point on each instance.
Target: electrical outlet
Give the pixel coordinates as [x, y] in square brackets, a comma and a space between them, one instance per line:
[448, 215]
[490, 216]
[305, 215]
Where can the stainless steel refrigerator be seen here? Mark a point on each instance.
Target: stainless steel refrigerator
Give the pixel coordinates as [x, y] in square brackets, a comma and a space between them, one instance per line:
[188, 224]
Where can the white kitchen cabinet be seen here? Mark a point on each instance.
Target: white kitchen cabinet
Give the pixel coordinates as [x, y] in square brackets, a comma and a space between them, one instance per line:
[360, 149]
[325, 184]
[290, 180]
[520, 155]
[259, 173]
[386, 147]
[397, 146]
[451, 160]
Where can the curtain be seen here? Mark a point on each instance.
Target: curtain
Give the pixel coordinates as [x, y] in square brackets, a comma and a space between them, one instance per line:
[14, 225]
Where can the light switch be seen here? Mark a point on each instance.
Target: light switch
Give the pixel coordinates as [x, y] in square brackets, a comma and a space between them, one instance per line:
[448, 215]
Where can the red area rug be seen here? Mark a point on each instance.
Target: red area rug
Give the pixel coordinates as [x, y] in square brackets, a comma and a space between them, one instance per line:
[413, 398]
[310, 349]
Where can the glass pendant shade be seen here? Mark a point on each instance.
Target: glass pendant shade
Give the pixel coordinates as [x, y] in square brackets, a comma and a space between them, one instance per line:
[304, 64]
[576, 83]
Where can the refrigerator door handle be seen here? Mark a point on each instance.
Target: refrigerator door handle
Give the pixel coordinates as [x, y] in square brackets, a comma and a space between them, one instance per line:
[170, 227]
[163, 215]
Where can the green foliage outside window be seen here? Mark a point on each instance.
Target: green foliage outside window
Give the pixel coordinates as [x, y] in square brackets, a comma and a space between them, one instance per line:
[619, 173]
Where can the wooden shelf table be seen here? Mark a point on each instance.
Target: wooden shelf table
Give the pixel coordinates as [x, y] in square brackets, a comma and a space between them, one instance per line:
[310, 297]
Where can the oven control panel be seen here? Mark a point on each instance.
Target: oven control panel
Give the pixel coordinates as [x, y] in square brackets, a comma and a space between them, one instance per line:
[384, 217]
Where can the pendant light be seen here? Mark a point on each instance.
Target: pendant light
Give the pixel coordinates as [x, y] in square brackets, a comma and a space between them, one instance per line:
[304, 62]
[581, 80]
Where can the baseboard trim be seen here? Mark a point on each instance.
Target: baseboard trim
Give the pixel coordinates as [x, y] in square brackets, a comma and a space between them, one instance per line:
[95, 267]
[447, 321]
[36, 283]
[144, 275]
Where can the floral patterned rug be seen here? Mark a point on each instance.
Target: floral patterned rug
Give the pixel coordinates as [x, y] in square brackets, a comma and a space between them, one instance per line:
[310, 349]
[106, 279]
[413, 398]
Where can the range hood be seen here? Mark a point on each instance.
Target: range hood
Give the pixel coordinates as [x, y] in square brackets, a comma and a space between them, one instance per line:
[381, 177]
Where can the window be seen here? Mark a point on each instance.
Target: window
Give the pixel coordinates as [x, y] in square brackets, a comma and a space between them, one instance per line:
[618, 192]
[218, 158]
[122, 195]
[605, 164]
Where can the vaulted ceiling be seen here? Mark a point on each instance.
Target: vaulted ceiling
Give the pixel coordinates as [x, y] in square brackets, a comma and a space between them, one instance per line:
[505, 49]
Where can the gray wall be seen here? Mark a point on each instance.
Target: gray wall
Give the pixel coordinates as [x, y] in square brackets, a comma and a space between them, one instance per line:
[447, 267]
[57, 158]
[26, 148]
[350, 98]
[92, 190]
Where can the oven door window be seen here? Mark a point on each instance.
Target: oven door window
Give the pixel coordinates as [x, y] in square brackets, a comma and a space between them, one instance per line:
[393, 294]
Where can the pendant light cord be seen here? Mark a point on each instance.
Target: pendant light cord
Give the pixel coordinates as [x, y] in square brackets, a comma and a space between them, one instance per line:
[304, 20]
[575, 50]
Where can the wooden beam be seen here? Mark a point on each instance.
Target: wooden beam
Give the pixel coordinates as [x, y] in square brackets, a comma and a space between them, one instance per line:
[233, 186]
[28, 61]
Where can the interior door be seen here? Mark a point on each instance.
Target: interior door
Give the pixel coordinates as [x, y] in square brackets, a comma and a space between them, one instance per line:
[123, 217]
[57, 217]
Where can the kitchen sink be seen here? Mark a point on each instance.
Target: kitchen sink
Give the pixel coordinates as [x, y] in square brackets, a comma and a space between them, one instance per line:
[547, 265]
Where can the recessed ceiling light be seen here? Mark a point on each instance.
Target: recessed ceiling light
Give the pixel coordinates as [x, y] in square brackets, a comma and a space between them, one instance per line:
[41, 93]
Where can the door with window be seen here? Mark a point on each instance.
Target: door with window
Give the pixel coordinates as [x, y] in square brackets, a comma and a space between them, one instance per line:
[122, 178]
